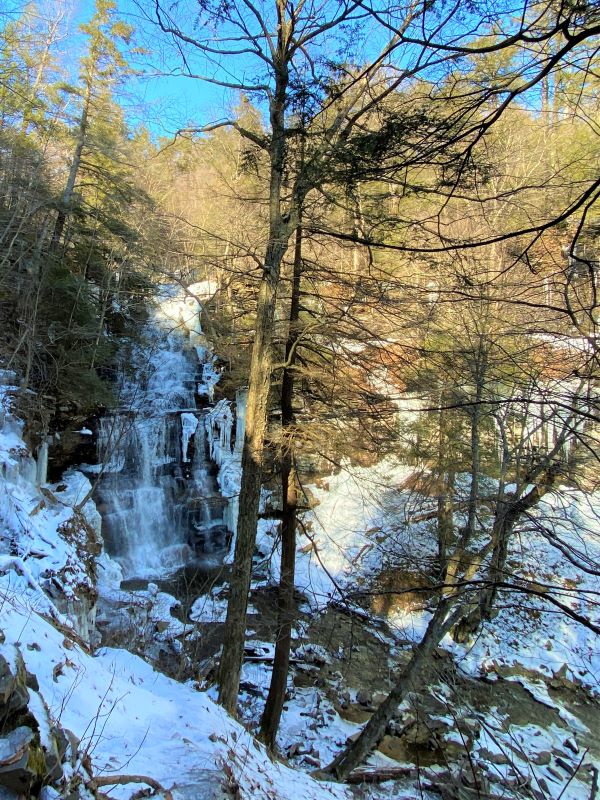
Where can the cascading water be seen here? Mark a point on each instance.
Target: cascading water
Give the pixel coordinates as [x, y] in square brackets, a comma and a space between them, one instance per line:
[160, 503]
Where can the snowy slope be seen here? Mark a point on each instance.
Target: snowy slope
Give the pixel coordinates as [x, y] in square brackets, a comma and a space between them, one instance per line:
[130, 719]
[133, 720]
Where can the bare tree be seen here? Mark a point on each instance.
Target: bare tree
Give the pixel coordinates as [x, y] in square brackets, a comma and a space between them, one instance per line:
[339, 109]
[281, 41]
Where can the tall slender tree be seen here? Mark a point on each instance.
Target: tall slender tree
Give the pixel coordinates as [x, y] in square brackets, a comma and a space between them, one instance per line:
[284, 41]
[289, 52]
[102, 67]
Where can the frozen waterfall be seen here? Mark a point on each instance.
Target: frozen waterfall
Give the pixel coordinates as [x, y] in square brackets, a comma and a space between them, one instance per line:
[157, 490]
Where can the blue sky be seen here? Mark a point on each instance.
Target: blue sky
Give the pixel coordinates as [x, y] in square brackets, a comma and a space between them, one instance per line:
[161, 102]
[165, 104]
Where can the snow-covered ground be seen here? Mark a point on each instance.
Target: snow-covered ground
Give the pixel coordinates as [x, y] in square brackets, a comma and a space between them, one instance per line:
[129, 718]
[132, 719]
[362, 525]
[529, 631]
[365, 523]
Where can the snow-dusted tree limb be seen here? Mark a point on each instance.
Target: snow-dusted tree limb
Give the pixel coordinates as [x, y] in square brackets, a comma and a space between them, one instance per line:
[123, 780]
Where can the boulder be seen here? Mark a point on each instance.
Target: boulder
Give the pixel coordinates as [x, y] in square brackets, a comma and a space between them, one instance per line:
[364, 698]
[22, 762]
[14, 694]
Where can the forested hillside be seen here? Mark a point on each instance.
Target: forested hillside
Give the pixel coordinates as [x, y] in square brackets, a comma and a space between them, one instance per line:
[309, 293]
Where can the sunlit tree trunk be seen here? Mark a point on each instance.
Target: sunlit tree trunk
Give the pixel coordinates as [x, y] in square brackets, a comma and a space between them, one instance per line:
[280, 229]
[67, 196]
[411, 676]
[285, 611]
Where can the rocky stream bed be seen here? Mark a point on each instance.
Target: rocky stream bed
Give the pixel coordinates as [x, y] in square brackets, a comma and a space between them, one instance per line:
[510, 731]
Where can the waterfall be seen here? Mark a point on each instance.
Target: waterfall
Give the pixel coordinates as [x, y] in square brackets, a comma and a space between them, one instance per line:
[156, 491]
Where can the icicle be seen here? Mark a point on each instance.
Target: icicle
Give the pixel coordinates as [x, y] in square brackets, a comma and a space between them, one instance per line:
[41, 466]
[189, 424]
[241, 399]
[219, 424]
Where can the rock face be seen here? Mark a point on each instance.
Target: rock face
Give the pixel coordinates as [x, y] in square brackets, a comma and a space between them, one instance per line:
[19, 758]
[31, 749]
[50, 534]
[70, 446]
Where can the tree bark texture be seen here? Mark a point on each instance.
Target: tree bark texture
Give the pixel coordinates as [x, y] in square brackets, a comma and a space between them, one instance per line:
[285, 611]
[280, 229]
[252, 466]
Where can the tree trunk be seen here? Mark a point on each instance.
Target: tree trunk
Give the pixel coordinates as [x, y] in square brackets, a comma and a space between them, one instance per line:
[67, 197]
[280, 229]
[52, 37]
[445, 518]
[479, 376]
[252, 466]
[445, 499]
[411, 675]
[507, 517]
[507, 514]
[285, 612]
[38, 278]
